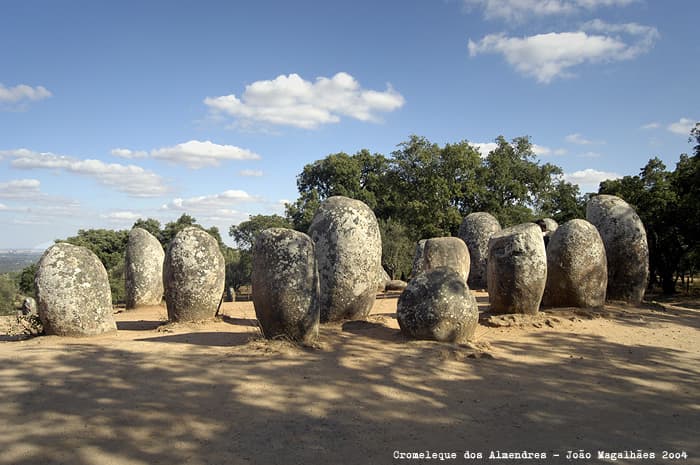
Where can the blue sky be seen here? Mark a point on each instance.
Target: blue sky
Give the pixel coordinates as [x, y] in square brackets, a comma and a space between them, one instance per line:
[111, 111]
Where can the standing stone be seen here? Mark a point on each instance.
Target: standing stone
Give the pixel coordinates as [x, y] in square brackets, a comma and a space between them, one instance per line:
[193, 275]
[348, 254]
[451, 252]
[73, 292]
[144, 269]
[577, 270]
[476, 230]
[626, 247]
[286, 292]
[517, 269]
[437, 305]
[418, 258]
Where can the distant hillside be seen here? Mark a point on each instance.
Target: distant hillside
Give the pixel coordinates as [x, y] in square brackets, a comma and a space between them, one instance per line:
[16, 260]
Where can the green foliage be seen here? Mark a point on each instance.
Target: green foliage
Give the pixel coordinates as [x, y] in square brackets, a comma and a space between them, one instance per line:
[25, 280]
[171, 229]
[397, 248]
[8, 294]
[424, 190]
[247, 231]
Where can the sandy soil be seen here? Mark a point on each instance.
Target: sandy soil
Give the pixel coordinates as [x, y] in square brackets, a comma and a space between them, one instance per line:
[216, 393]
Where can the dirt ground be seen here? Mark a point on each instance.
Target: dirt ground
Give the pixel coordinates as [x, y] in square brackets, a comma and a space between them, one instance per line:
[216, 393]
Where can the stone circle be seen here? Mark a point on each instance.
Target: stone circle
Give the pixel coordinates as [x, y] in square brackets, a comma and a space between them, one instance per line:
[476, 230]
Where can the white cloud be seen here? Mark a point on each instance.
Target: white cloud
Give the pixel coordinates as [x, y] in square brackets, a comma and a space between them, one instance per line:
[22, 92]
[292, 101]
[652, 125]
[251, 173]
[130, 179]
[484, 147]
[552, 55]
[542, 151]
[216, 205]
[520, 10]
[683, 126]
[20, 189]
[590, 155]
[578, 139]
[121, 216]
[194, 154]
[129, 154]
[589, 179]
[197, 154]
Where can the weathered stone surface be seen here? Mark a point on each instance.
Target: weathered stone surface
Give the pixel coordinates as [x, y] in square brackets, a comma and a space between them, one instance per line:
[476, 230]
[193, 276]
[547, 225]
[396, 285]
[626, 246]
[382, 279]
[418, 258]
[577, 271]
[144, 269]
[451, 252]
[74, 297]
[517, 269]
[286, 292]
[437, 305]
[348, 254]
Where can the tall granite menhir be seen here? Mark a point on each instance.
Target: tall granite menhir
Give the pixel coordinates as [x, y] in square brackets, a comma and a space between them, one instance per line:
[476, 230]
[348, 254]
[144, 269]
[73, 292]
[625, 241]
[193, 276]
[577, 271]
[517, 269]
[285, 285]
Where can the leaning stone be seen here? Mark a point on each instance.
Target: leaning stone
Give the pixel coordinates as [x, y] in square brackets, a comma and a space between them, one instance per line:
[144, 269]
[451, 252]
[193, 275]
[625, 240]
[286, 292]
[577, 271]
[476, 230]
[348, 254]
[517, 269]
[74, 297]
[437, 305]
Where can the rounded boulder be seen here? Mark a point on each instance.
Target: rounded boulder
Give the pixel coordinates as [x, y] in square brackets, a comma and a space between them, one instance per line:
[476, 230]
[625, 240]
[144, 269]
[436, 252]
[577, 271]
[193, 276]
[348, 254]
[517, 269]
[286, 292]
[73, 292]
[437, 305]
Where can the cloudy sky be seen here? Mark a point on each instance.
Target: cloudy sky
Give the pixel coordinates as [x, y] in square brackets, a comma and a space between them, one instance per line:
[111, 111]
